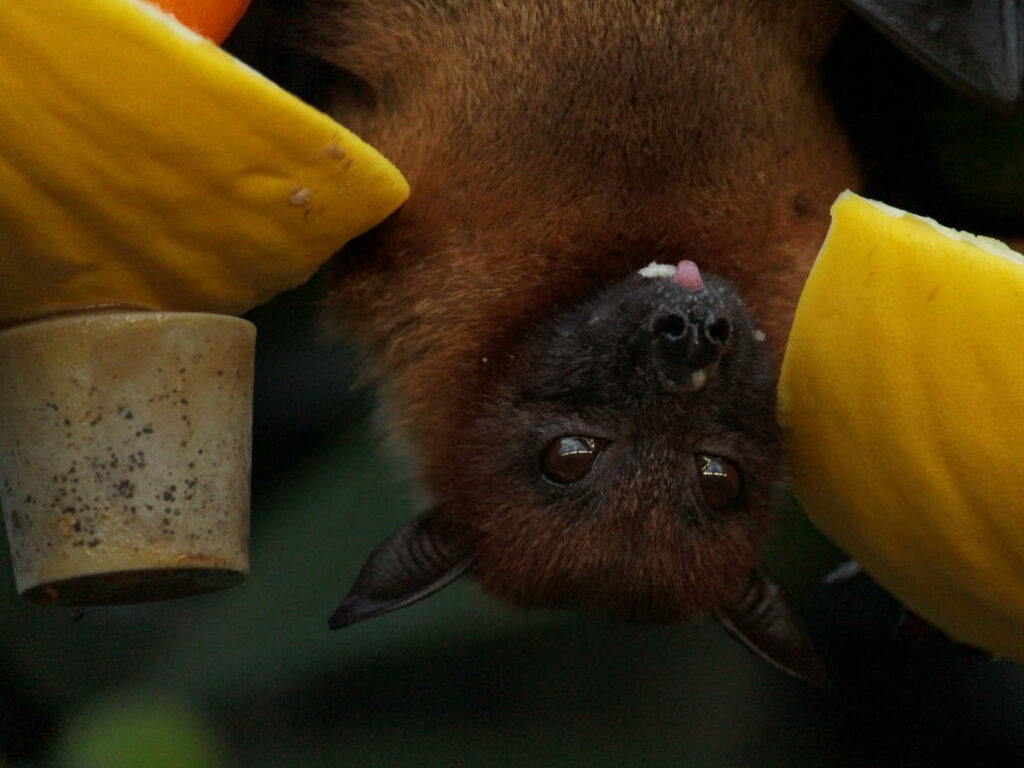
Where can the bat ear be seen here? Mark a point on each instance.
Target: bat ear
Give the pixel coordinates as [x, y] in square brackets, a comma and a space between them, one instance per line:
[763, 619]
[974, 47]
[414, 562]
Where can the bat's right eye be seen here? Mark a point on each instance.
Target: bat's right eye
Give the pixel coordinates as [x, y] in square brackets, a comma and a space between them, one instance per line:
[720, 480]
[568, 459]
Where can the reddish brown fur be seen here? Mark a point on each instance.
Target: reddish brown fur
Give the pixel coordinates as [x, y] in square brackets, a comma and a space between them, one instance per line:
[552, 147]
[555, 146]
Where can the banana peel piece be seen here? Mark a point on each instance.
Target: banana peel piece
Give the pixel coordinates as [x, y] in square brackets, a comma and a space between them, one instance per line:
[902, 393]
[141, 165]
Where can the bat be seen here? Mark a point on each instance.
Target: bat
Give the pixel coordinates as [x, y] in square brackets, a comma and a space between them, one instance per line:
[595, 434]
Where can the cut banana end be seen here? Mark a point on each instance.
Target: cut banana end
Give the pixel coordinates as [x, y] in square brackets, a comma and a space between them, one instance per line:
[144, 166]
[902, 399]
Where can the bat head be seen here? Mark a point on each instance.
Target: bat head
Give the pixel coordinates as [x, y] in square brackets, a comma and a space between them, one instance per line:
[625, 460]
[591, 441]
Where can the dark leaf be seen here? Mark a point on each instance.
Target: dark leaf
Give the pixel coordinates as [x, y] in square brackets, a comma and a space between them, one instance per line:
[973, 46]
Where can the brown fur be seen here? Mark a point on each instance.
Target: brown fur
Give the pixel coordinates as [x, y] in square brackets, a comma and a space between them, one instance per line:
[554, 146]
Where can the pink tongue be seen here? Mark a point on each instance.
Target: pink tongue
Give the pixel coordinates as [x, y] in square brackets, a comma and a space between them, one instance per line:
[688, 276]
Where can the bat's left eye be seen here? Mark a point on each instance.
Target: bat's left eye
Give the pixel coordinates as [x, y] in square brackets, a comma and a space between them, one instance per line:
[568, 459]
[719, 479]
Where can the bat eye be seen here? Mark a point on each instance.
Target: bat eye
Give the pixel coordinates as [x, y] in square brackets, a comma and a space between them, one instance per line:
[719, 479]
[568, 459]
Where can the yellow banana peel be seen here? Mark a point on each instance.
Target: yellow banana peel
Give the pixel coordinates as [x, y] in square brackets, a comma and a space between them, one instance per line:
[142, 165]
[902, 392]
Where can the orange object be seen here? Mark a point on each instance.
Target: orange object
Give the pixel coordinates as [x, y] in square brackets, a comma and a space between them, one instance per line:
[213, 19]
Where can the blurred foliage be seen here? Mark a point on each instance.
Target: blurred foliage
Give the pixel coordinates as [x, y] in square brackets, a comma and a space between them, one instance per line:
[137, 732]
[251, 676]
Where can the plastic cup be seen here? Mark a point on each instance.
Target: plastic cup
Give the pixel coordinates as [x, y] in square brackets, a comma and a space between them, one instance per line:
[125, 455]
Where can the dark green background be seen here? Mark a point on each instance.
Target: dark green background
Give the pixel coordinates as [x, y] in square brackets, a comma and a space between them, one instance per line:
[252, 677]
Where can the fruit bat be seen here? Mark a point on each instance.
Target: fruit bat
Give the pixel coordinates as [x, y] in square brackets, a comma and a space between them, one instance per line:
[595, 433]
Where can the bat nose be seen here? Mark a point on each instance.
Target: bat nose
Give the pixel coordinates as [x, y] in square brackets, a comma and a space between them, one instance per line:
[687, 345]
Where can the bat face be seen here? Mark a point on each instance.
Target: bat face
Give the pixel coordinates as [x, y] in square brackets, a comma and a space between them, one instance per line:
[591, 439]
[626, 459]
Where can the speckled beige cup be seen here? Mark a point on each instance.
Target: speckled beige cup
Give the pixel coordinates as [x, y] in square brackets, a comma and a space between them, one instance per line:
[125, 454]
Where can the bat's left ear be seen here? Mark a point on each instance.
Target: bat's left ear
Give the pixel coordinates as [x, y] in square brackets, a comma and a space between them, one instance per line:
[412, 563]
[764, 619]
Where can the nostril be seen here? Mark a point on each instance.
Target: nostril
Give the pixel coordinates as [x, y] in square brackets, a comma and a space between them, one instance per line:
[719, 330]
[672, 326]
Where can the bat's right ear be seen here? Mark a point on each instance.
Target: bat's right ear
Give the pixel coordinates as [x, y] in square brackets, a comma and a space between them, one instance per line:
[763, 618]
[414, 562]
